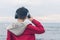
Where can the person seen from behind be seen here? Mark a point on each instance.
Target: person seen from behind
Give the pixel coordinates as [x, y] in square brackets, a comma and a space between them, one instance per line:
[21, 30]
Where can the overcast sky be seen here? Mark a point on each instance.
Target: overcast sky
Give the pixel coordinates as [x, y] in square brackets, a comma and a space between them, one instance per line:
[43, 10]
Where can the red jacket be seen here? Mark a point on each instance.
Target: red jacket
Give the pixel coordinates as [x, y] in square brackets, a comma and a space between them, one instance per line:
[29, 33]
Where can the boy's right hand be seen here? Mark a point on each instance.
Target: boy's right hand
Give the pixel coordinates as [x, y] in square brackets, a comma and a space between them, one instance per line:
[31, 18]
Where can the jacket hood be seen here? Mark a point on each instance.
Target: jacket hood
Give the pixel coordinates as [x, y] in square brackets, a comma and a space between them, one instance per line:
[17, 28]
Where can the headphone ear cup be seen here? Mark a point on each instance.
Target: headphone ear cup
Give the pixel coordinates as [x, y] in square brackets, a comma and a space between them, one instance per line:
[16, 16]
[29, 16]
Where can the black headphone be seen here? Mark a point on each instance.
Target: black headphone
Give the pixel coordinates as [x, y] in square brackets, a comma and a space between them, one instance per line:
[28, 15]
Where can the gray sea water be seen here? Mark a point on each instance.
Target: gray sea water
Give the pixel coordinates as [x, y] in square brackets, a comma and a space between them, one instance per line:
[52, 31]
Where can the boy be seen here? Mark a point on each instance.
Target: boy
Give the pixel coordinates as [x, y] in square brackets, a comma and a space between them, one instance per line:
[22, 30]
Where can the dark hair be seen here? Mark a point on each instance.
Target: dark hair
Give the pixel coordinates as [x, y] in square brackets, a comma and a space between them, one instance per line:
[21, 13]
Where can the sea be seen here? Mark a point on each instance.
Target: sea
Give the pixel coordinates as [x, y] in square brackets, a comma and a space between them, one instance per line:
[52, 31]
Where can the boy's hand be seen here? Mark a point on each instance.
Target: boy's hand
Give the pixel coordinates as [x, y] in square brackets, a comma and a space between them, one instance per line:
[31, 18]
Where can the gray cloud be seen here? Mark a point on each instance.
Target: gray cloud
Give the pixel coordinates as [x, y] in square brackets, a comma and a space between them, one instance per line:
[36, 7]
[42, 7]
